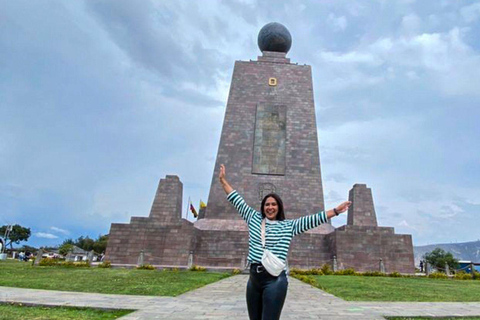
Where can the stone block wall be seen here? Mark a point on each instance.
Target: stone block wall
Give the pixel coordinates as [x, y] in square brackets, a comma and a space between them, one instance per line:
[221, 248]
[309, 250]
[362, 247]
[164, 237]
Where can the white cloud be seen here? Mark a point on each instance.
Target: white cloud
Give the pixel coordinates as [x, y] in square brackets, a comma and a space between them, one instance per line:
[45, 235]
[471, 13]
[445, 60]
[338, 23]
[405, 224]
[411, 24]
[333, 197]
[63, 231]
[351, 57]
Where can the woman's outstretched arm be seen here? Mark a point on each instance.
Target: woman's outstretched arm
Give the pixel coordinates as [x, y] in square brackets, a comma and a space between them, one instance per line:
[338, 209]
[305, 223]
[235, 199]
[223, 180]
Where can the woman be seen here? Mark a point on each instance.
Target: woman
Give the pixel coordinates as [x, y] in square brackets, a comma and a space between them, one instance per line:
[266, 293]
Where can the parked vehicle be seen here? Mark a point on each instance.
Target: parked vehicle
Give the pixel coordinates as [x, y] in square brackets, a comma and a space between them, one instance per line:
[51, 255]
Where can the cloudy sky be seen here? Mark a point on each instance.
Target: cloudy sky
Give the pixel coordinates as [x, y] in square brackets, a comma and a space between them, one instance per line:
[101, 99]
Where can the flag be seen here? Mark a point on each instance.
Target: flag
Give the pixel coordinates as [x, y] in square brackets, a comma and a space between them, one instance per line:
[203, 205]
[195, 214]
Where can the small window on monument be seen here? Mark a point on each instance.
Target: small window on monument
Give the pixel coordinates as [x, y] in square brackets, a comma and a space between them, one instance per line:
[272, 81]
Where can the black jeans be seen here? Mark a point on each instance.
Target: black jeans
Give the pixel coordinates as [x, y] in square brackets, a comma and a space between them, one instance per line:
[265, 294]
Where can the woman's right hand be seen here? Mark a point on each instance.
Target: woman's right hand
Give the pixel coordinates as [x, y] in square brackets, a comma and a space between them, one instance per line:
[223, 180]
[221, 175]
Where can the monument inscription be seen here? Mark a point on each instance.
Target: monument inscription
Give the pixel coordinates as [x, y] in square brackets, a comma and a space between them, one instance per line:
[264, 189]
[270, 139]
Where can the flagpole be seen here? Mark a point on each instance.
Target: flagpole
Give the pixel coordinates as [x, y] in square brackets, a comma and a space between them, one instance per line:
[188, 207]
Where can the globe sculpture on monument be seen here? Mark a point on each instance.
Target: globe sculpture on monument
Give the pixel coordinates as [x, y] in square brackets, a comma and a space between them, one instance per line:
[269, 144]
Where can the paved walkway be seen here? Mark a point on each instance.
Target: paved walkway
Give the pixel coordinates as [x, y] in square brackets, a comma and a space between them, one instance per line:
[225, 299]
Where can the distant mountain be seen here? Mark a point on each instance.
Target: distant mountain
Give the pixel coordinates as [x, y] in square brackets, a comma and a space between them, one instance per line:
[469, 251]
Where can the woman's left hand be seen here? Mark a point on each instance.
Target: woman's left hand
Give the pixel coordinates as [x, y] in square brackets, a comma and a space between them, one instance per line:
[343, 206]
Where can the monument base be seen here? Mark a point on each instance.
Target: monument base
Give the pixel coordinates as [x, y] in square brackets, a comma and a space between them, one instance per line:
[166, 240]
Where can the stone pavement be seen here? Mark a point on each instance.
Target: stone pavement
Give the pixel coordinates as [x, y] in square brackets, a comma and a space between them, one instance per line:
[225, 299]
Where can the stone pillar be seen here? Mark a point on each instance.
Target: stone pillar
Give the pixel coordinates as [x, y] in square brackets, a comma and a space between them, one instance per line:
[473, 270]
[382, 266]
[335, 267]
[362, 210]
[90, 256]
[190, 260]
[427, 268]
[167, 205]
[38, 257]
[447, 269]
[141, 259]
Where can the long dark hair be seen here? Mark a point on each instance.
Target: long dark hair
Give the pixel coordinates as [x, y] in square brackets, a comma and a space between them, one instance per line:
[281, 213]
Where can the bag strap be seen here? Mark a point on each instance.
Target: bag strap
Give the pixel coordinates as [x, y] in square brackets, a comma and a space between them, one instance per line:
[263, 233]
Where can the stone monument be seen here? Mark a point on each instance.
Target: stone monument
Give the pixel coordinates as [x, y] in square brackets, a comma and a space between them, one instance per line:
[268, 144]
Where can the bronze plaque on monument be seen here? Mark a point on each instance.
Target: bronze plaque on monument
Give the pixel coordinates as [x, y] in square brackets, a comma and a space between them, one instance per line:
[270, 138]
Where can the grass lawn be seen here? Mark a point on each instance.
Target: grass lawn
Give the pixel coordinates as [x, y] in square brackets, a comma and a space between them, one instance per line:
[118, 281]
[361, 288]
[21, 312]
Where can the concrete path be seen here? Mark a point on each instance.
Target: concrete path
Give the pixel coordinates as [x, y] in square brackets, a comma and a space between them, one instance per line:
[225, 299]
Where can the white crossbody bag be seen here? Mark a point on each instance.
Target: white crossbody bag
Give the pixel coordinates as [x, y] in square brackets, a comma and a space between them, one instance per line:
[272, 263]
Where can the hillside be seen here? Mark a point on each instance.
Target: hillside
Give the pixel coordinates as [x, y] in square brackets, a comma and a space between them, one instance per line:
[469, 251]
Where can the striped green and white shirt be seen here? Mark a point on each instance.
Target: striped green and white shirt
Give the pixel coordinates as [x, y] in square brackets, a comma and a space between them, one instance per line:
[278, 235]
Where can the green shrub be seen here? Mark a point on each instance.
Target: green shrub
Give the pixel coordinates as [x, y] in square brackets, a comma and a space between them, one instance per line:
[346, 272]
[395, 274]
[46, 262]
[197, 268]
[294, 271]
[105, 264]
[146, 267]
[462, 275]
[438, 275]
[326, 269]
[316, 272]
[236, 271]
[175, 269]
[83, 264]
[68, 264]
[373, 274]
[306, 279]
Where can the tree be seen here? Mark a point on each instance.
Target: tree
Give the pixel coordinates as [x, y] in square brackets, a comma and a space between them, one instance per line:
[85, 243]
[65, 248]
[26, 248]
[68, 241]
[17, 234]
[100, 244]
[439, 257]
